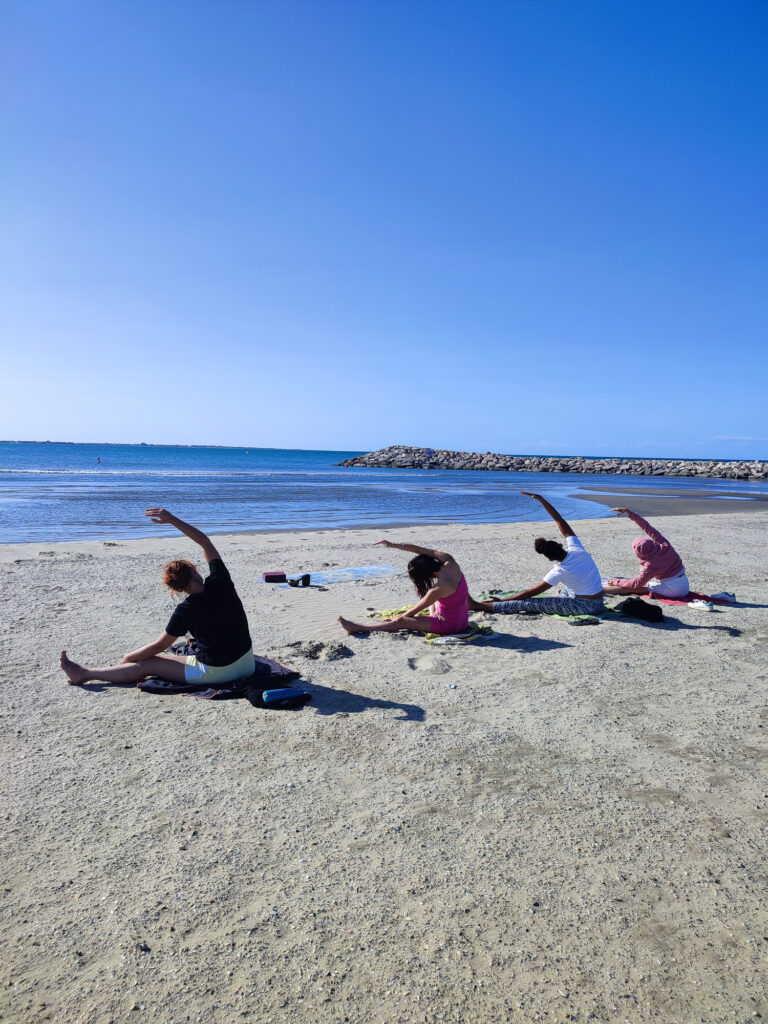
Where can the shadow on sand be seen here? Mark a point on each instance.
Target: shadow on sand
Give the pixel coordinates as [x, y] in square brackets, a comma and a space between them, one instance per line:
[671, 625]
[526, 644]
[327, 701]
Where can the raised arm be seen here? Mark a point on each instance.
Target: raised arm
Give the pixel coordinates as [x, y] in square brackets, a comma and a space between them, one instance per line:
[642, 523]
[414, 549]
[161, 515]
[562, 526]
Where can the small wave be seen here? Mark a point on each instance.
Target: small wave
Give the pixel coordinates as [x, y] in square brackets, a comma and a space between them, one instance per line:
[171, 472]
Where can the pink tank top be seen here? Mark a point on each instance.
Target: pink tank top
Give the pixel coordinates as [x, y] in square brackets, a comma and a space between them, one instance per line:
[453, 609]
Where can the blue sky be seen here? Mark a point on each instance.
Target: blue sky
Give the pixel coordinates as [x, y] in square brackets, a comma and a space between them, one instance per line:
[516, 226]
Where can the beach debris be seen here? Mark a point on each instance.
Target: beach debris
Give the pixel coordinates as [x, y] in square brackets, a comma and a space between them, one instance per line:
[319, 650]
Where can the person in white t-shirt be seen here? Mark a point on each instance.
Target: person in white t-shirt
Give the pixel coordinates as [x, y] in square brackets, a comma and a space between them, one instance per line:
[574, 568]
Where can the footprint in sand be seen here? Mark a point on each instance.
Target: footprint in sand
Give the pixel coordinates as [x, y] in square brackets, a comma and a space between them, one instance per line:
[431, 666]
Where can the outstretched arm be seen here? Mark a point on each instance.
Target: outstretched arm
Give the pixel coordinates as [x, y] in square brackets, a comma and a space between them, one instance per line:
[441, 556]
[562, 526]
[429, 599]
[162, 643]
[645, 526]
[537, 588]
[161, 515]
[521, 595]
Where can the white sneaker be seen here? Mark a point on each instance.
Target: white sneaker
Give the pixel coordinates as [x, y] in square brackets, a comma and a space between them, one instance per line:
[702, 604]
[725, 595]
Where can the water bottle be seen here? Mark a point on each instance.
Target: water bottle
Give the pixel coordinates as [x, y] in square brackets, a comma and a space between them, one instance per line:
[286, 693]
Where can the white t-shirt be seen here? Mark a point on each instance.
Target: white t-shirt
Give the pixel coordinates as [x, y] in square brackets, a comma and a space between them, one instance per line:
[577, 570]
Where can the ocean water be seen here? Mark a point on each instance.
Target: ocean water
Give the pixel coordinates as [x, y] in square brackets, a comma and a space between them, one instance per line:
[56, 492]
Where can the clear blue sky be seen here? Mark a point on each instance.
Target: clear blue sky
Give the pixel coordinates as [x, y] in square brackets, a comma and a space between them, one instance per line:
[516, 226]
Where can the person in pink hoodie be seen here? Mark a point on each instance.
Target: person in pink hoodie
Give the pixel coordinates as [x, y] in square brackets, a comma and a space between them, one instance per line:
[661, 569]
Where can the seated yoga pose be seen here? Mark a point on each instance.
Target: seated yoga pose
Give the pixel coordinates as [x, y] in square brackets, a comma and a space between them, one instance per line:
[575, 569]
[211, 612]
[440, 583]
[661, 569]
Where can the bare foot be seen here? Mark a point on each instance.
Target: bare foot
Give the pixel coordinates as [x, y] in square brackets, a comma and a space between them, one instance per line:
[351, 627]
[75, 673]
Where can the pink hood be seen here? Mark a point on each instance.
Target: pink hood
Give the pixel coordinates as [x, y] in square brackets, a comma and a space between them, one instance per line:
[657, 557]
[645, 548]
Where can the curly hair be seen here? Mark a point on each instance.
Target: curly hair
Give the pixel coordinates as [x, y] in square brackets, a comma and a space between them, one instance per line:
[551, 549]
[177, 574]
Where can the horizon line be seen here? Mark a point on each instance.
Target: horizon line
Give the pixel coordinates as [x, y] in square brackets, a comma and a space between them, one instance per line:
[360, 451]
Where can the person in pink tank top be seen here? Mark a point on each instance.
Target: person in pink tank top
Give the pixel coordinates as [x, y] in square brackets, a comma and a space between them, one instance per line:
[441, 586]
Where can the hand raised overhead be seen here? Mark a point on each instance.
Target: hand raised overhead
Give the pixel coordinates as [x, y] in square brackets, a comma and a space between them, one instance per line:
[620, 511]
[159, 515]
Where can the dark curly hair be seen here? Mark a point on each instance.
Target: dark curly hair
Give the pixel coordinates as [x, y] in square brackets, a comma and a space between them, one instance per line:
[551, 549]
[177, 574]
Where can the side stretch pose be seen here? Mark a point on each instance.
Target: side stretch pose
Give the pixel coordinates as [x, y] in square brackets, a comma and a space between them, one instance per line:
[211, 612]
[575, 569]
[661, 568]
[440, 583]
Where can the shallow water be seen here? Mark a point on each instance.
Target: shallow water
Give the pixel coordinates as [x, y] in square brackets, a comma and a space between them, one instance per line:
[59, 492]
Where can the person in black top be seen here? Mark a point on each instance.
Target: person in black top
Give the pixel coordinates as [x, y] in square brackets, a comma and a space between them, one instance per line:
[211, 612]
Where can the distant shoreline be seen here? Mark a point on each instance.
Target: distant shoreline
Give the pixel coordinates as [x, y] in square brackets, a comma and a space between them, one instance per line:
[358, 453]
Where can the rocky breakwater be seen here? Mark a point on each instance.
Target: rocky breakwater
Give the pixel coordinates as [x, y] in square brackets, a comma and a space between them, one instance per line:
[402, 457]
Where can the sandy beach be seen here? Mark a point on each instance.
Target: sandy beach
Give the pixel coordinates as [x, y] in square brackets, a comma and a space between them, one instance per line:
[554, 824]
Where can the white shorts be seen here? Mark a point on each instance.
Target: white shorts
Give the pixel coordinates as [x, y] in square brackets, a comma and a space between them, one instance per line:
[196, 672]
[676, 586]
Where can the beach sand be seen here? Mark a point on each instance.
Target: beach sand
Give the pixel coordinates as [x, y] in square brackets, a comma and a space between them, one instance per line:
[556, 824]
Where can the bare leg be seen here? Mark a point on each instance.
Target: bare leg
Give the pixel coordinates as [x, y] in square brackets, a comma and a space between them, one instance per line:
[415, 623]
[167, 666]
[479, 606]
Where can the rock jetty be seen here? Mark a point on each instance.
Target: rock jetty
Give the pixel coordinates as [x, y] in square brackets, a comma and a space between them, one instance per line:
[402, 457]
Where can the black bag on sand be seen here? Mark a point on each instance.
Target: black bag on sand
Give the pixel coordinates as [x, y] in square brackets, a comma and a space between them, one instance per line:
[636, 608]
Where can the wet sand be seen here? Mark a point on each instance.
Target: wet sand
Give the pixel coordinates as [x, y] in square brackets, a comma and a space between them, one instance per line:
[685, 502]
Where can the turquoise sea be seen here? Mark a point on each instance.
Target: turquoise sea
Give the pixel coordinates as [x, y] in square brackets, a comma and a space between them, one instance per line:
[55, 492]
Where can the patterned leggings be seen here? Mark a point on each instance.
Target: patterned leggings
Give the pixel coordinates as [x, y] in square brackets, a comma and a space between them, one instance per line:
[551, 606]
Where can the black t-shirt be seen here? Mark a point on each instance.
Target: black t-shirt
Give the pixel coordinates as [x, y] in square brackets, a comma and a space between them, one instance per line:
[215, 618]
